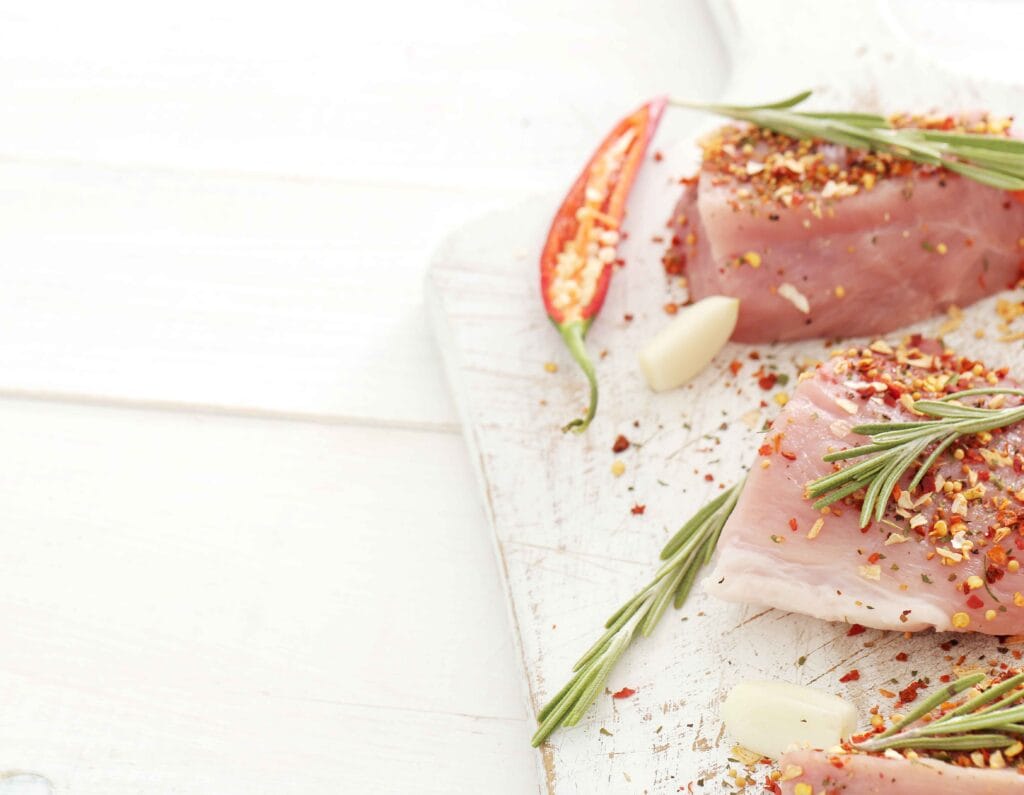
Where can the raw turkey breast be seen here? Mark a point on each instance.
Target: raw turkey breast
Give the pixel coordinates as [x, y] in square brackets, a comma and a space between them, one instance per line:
[817, 240]
[946, 555]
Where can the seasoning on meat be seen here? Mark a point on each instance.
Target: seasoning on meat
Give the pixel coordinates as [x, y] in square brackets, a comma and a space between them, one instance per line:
[819, 240]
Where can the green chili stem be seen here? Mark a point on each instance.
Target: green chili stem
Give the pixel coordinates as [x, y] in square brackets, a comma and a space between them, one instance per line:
[573, 334]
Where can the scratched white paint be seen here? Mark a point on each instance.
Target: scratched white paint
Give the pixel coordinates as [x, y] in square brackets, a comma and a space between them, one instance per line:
[569, 546]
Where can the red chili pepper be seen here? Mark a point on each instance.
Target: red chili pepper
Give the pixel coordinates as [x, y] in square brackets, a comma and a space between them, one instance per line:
[574, 276]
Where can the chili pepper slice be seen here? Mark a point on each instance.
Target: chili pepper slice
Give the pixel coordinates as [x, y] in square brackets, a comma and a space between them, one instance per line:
[578, 257]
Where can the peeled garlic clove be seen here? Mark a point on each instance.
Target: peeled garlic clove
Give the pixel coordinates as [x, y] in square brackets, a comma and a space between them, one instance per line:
[688, 344]
[770, 717]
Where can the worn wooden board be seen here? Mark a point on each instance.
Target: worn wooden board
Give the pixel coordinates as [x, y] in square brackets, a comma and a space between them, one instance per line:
[570, 547]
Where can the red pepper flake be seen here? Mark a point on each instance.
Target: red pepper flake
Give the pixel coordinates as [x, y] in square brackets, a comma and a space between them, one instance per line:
[626, 692]
[874, 557]
[628, 317]
[638, 509]
[765, 450]
[909, 693]
[974, 601]
[855, 629]
[945, 678]
[735, 366]
[766, 382]
[902, 656]
[852, 676]
[621, 443]
[787, 455]
[772, 786]
[709, 477]
[671, 308]
[658, 157]
[792, 524]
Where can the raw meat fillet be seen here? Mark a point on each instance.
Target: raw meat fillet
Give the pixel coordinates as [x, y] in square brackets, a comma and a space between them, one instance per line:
[945, 556]
[858, 774]
[820, 241]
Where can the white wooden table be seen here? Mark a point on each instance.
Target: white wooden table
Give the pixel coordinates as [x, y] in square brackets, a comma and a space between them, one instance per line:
[243, 550]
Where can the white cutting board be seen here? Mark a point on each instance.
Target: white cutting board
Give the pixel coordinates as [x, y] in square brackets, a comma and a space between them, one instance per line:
[570, 548]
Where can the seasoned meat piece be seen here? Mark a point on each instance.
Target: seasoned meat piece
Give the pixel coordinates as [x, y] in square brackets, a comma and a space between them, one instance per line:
[945, 555]
[817, 240]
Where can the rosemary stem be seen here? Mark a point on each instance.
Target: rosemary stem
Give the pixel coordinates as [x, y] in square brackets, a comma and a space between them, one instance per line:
[684, 555]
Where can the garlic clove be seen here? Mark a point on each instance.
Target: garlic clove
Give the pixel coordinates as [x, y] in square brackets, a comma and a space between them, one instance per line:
[771, 717]
[689, 342]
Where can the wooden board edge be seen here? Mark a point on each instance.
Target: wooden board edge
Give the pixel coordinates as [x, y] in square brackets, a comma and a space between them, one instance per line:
[438, 320]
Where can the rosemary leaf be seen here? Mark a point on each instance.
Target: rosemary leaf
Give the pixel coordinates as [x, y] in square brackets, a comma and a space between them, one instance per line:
[991, 694]
[968, 742]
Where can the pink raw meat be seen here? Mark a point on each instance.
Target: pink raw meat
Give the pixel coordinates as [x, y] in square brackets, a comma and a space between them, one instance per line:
[818, 263]
[858, 774]
[911, 571]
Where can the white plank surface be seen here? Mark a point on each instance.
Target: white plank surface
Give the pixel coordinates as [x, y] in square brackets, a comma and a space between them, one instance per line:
[229, 605]
[485, 94]
[570, 548]
[167, 287]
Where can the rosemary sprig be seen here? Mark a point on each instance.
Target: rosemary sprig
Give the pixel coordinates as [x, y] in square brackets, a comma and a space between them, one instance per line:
[684, 555]
[990, 159]
[990, 719]
[897, 446]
